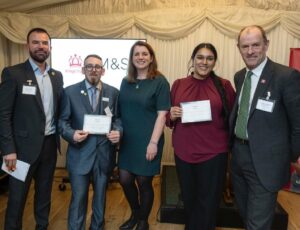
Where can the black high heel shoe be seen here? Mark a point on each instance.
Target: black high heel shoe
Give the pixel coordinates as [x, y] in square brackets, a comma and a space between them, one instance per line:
[130, 223]
[142, 225]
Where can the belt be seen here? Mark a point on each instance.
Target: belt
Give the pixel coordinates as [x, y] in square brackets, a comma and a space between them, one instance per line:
[242, 141]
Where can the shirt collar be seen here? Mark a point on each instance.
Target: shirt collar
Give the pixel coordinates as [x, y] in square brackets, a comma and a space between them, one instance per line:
[258, 70]
[88, 85]
[36, 68]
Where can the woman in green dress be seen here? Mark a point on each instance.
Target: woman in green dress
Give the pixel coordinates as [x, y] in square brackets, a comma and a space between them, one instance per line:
[144, 101]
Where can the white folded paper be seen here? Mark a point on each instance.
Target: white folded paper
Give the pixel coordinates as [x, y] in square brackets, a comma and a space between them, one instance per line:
[196, 111]
[21, 170]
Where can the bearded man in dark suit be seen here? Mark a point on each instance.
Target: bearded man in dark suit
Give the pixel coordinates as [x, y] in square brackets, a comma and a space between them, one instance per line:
[265, 129]
[91, 153]
[29, 100]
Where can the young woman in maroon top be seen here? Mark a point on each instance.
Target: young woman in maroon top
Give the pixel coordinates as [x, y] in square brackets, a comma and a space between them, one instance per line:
[201, 148]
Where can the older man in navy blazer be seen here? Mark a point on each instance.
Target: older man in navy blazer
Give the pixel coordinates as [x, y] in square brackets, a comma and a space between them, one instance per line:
[90, 156]
[29, 105]
[265, 129]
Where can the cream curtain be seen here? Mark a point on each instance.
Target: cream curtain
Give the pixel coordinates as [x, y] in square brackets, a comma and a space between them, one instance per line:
[173, 30]
[28, 6]
[109, 6]
[164, 24]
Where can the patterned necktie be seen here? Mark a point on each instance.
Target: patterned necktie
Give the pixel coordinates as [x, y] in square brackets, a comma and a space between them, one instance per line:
[242, 118]
[93, 98]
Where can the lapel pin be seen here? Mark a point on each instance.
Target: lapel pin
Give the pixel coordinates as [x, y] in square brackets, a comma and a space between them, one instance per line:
[52, 73]
[82, 92]
[263, 81]
[29, 82]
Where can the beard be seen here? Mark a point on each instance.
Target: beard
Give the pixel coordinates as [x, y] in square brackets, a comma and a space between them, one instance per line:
[39, 56]
[93, 79]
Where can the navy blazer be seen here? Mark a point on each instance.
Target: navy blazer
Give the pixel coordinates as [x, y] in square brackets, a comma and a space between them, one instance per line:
[75, 104]
[274, 138]
[22, 117]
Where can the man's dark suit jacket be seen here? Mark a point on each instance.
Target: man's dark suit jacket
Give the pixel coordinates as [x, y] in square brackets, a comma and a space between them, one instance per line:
[75, 104]
[274, 138]
[22, 117]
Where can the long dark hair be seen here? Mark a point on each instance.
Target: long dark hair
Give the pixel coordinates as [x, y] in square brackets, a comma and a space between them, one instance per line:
[216, 79]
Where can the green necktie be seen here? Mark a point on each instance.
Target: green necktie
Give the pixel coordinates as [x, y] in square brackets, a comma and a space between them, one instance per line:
[242, 118]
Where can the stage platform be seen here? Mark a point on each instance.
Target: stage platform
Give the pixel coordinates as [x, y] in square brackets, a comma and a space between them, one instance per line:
[171, 210]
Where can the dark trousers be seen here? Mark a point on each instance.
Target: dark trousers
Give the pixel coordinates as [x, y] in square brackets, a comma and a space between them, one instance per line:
[201, 187]
[42, 171]
[256, 204]
[79, 201]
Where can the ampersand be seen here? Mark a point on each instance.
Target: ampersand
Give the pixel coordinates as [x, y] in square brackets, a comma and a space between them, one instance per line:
[114, 64]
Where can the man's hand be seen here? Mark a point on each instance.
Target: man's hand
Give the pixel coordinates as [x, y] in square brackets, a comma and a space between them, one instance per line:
[114, 136]
[80, 135]
[296, 166]
[10, 161]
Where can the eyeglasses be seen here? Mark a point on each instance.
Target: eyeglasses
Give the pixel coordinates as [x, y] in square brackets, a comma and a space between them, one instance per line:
[91, 67]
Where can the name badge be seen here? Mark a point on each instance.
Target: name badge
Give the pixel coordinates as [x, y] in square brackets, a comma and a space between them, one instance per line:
[29, 90]
[265, 105]
[108, 111]
[105, 99]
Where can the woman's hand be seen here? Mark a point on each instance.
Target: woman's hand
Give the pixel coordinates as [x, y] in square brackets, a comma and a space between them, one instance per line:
[151, 151]
[175, 112]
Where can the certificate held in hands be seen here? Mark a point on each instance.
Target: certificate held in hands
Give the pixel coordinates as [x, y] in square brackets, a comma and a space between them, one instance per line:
[196, 111]
[97, 124]
[21, 170]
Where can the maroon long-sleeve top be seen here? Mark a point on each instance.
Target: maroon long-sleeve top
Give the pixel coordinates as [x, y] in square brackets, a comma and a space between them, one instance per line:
[199, 141]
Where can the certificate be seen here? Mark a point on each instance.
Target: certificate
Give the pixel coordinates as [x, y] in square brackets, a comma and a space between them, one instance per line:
[196, 111]
[96, 124]
[21, 170]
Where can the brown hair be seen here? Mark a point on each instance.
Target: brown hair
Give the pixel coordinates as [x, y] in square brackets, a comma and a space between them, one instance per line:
[93, 56]
[37, 30]
[263, 33]
[152, 70]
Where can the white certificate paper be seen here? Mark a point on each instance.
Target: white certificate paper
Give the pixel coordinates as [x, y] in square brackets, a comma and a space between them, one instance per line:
[96, 124]
[21, 170]
[196, 111]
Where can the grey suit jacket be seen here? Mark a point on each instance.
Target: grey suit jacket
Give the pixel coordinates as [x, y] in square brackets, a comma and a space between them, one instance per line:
[274, 138]
[22, 117]
[75, 104]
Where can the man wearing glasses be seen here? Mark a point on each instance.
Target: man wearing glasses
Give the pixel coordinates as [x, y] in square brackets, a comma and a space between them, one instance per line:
[90, 123]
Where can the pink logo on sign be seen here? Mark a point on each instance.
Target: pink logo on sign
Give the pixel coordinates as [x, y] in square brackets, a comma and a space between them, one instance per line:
[75, 61]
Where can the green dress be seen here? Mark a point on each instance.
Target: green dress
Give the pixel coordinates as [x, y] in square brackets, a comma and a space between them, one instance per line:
[139, 103]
